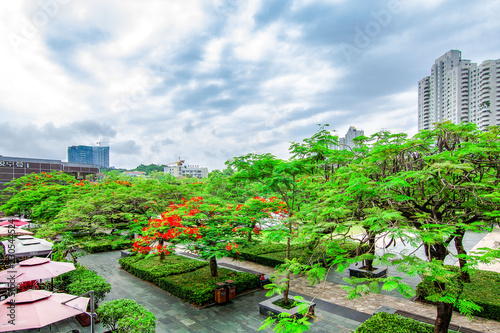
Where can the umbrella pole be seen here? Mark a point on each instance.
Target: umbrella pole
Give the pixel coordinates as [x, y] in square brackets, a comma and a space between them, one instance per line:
[92, 328]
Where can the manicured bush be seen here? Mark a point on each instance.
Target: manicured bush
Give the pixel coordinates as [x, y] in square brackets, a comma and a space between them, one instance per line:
[385, 322]
[197, 287]
[126, 316]
[274, 254]
[483, 290]
[152, 269]
[95, 245]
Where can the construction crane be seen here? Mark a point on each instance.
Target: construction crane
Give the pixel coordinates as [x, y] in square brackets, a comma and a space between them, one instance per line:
[179, 162]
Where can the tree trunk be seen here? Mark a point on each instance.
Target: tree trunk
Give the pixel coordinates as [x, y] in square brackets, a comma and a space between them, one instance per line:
[460, 250]
[443, 319]
[371, 243]
[213, 267]
[285, 292]
[162, 254]
[444, 310]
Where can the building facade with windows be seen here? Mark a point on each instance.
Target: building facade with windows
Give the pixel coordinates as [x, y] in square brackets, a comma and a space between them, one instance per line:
[347, 142]
[460, 91]
[194, 171]
[16, 167]
[95, 155]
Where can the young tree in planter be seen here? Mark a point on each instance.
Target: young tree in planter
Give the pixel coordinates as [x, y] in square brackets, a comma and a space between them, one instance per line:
[277, 177]
[440, 182]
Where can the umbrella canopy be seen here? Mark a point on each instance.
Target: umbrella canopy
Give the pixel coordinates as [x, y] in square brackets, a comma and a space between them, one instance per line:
[27, 246]
[39, 308]
[17, 223]
[36, 269]
[5, 232]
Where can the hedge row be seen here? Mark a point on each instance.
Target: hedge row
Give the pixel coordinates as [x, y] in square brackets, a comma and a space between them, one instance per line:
[274, 254]
[385, 322]
[152, 269]
[197, 287]
[483, 290]
[105, 244]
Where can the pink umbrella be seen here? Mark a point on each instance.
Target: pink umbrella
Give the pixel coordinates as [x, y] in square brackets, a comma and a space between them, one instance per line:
[6, 218]
[38, 308]
[17, 223]
[5, 232]
[36, 269]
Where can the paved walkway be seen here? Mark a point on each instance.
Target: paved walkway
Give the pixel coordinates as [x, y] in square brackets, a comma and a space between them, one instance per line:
[174, 315]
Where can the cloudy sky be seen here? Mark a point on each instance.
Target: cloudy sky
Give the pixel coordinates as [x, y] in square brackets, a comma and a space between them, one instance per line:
[207, 80]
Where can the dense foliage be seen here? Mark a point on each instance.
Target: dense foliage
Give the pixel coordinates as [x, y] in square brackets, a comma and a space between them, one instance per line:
[426, 191]
[385, 322]
[126, 316]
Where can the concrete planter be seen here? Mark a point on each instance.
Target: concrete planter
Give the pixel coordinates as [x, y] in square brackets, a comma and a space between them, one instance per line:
[267, 308]
[363, 273]
[127, 253]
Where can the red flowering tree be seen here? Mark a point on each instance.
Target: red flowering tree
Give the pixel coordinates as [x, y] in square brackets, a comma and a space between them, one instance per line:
[210, 229]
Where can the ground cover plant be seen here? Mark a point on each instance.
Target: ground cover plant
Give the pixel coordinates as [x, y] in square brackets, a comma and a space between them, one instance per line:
[197, 287]
[483, 290]
[385, 322]
[153, 268]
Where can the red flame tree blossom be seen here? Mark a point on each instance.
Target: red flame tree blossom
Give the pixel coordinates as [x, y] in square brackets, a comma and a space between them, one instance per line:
[210, 229]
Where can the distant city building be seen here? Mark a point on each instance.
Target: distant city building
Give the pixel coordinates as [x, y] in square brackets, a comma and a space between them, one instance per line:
[460, 91]
[96, 155]
[347, 142]
[194, 171]
[135, 173]
[16, 167]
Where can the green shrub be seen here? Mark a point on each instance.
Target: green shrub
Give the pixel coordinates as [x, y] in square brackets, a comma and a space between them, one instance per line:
[273, 255]
[126, 316]
[483, 290]
[152, 269]
[83, 280]
[104, 244]
[197, 287]
[385, 322]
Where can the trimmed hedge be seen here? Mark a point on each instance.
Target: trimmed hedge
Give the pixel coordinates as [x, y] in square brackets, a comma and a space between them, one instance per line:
[96, 245]
[197, 287]
[484, 290]
[385, 322]
[273, 255]
[152, 269]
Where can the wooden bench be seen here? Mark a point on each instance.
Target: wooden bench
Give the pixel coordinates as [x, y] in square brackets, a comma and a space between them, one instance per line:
[431, 321]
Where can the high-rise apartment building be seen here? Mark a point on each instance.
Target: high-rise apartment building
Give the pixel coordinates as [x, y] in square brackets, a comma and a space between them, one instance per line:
[460, 91]
[347, 142]
[96, 155]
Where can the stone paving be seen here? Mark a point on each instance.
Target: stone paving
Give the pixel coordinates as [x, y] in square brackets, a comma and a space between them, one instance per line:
[174, 315]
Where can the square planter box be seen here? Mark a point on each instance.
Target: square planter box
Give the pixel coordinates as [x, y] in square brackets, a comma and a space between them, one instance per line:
[267, 308]
[363, 273]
